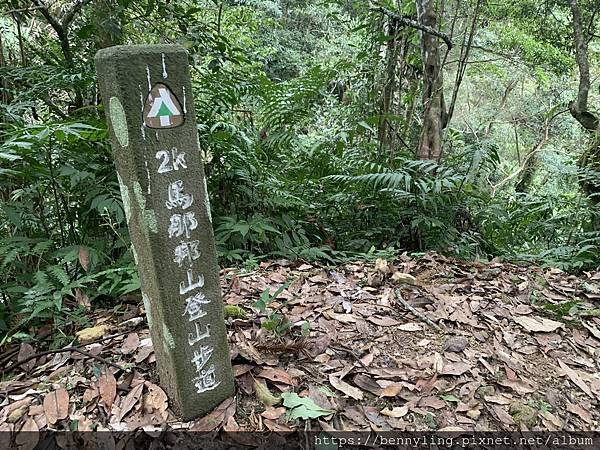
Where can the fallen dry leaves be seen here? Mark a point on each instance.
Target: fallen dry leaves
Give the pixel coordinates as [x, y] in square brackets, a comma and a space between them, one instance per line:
[501, 360]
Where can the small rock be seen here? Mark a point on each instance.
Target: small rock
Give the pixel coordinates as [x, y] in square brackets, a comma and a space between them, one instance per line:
[473, 414]
[523, 414]
[406, 278]
[91, 334]
[456, 344]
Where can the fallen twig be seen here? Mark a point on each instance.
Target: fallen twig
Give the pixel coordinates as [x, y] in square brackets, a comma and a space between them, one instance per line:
[343, 348]
[419, 315]
[62, 350]
[279, 348]
[9, 354]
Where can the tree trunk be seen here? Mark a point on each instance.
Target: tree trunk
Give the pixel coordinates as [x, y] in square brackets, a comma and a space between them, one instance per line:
[579, 107]
[434, 116]
[589, 163]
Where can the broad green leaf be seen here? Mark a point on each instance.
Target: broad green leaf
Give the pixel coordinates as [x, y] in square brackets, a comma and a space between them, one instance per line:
[450, 398]
[302, 407]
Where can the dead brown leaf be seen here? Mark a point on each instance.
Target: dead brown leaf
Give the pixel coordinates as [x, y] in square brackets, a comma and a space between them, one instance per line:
[537, 324]
[392, 390]
[107, 387]
[581, 412]
[273, 413]
[130, 344]
[344, 387]
[276, 375]
[385, 321]
[143, 353]
[367, 383]
[155, 400]
[25, 351]
[56, 405]
[592, 329]
[455, 368]
[241, 369]
[432, 402]
[320, 344]
[519, 386]
[84, 258]
[396, 412]
[503, 415]
[214, 419]
[575, 378]
[276, 427]
[90, 393]
[343, 318]
[130, 401]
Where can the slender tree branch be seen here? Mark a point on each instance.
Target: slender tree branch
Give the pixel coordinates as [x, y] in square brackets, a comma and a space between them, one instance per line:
[463, 60]
[413, 24]
[592, 24]
[59, 29]
[70, 15]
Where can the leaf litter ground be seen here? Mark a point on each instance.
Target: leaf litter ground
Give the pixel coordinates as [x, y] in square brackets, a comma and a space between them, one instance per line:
[413, 344]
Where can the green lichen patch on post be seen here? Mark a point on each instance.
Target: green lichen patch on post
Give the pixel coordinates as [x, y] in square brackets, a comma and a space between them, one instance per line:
[118, 121]
[125, 197]
[148, 215]
[146, 301]
[169, 341]
[206, 201]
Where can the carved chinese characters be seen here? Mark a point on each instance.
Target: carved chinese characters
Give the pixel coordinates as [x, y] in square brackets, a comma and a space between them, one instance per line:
[181, 225]
[165, 201]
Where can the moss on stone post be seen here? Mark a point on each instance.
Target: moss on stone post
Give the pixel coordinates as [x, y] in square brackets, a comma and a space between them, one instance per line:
[146, 91]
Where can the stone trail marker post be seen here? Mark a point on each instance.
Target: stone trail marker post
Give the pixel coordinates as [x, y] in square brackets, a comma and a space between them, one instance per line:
[146, 91]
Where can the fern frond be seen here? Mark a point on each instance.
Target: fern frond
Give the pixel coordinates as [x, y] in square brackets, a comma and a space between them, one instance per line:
[59, 275]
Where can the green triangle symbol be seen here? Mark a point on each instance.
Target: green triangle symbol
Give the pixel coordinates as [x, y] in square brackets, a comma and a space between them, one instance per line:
[163, 110]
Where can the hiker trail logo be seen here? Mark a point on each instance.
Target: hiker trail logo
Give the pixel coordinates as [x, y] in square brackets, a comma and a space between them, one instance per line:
[162, 109]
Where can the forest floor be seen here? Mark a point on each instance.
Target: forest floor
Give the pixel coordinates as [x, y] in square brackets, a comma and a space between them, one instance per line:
[413, 344]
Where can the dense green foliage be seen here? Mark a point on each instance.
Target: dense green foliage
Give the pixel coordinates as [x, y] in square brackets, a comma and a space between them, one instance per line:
[305, 157]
